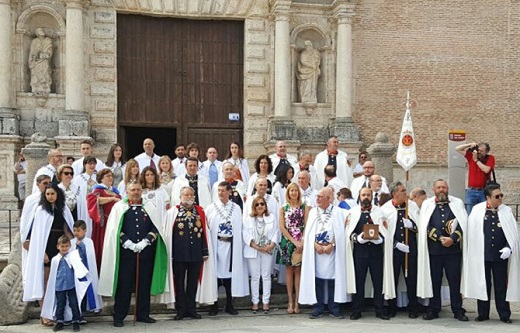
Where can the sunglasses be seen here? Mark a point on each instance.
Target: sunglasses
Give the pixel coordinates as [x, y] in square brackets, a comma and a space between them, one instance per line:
[68, 173]
[259, 204]
[498, 196]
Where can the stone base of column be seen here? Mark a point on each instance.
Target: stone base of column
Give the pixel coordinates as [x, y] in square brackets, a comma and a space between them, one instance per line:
[9, 122]
[69, 145]
[381, 153]
[281, 129]
[74, 123]
[9, 147]
[35, 154]
[345, 129]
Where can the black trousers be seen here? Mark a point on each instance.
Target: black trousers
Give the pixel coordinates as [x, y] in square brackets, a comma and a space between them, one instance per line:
[361, 265]
[411, 280]
[451, 264]
[186, 291]
[227, 286]
[126, 286]
[499, 271]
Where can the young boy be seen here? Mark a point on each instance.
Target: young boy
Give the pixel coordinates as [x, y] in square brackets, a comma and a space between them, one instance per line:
[92, 301]
[64, 285]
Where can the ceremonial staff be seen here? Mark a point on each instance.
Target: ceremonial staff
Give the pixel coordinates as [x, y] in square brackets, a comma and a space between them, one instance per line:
[407, 158]
[136, 285]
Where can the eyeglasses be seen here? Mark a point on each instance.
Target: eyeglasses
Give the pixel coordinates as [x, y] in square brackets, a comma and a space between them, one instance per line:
[67, 173]
[362, 157]
[57, 156]
[499, 196]
[45, 183]
[259, 204]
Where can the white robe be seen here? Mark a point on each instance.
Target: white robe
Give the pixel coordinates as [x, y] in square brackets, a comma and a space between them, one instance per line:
[77, 166]
[336, 184]
[390, 214]
[243, 165]
[26, 220]
[92, 269]
[239, 273]
[156, 206]
[207, 292]
[309, 196]
[241, 189]
[275, 160]
[48, 170]
[424, 281]
[252, 181]
[81, 182]
[474, 274]
[248, 234]
[202, 170]
[312, 173]
[272, 206]
[344, 172]
[377, 217]
[357, 185]
[81, 205]
[307, 282]
[204, 192]
[144, 160]
[80, 271]
[41, 228]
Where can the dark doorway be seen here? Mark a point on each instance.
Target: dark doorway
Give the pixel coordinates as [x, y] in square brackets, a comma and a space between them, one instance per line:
[164, 139]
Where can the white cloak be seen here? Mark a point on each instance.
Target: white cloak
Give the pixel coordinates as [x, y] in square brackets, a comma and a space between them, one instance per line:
[80, 271]
[312, 173]
[26, 220]
[243, 165]
[41, 228]
[252, 181]
[81, 206]
[204, 192]
[344, 172]
[241, 189]
[336, 184]
[239, 273]
[377, 217]
[357, 185]
[307, 282]
[424, 281]
[207, 291]
[275, 160]
[474, 274]
[272, 206]
[77, 166]
[92, 269]
[81, 182]
[202, 170]
[156, 206]
[309, 196]
[248, 234]
[390, 214]
[48, 170]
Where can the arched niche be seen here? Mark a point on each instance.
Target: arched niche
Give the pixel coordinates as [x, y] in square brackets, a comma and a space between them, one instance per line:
[53, 24]
[320, 41]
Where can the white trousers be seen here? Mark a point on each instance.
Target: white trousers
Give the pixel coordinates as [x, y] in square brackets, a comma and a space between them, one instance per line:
[261, 266]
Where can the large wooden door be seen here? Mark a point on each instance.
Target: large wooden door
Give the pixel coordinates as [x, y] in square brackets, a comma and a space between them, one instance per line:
[180, 74]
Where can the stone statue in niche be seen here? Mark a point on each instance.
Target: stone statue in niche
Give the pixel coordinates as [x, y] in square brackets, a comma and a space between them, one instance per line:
[308, 74]
[40, 63]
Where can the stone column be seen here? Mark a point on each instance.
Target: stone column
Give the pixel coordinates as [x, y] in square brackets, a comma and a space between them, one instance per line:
[381, 153]
[35, 154]
[5, 55]
[343, 126]
[282, 126]
[74, 62]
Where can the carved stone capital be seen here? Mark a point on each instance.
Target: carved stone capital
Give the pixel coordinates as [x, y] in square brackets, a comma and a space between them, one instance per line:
[78, 4]
[342, 11]
[281, 9]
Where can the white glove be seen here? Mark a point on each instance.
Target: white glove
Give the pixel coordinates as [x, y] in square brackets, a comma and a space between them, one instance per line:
[402, 247]
[407, 223]
[361, 240]
[377, 241]
[506, 253]
[129, 245]
[141, 245]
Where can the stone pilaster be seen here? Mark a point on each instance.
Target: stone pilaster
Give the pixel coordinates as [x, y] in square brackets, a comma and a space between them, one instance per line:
[9, 146]
[282, 61]
[35, 154]
[6, 54]
[381, 153]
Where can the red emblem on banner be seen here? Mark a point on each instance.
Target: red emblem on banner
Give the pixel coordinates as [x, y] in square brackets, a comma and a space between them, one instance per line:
[407, 140]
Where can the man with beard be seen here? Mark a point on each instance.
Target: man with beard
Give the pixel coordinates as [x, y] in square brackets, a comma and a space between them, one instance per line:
[401, 218]
[493, 242]
[238, 188]
[186, 237]
[443, 220]
[364, 254]
[198, 182]
[308, 192]
[225, 225]
[180, 157]
[337, 158]
[193, 150]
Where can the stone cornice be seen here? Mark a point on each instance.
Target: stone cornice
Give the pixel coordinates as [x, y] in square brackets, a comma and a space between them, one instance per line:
[280, 7]
[79, 4]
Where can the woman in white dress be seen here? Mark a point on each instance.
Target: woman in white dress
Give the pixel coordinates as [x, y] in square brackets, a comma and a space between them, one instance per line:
[131, 176]
[236, 156]
[85, 183]
[116, 163]
[77, 207]
[166, 173]
[260, 233]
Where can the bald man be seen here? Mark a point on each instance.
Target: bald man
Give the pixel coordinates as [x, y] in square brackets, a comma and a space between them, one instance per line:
[148, 157]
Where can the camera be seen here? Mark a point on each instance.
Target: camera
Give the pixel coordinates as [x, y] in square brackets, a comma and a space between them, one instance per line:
[474, 148]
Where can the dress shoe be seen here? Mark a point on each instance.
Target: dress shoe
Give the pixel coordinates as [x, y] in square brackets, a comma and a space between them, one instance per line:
[75, 327]
[430, 316]
[392, 314]
[315, 315]
[148, 320]
[355, 315]
[506, 320]
[231, 310]
[118, 323]
[481, 318]
[194, 315]
[213, 311]
[460, 317]
[179, 316]
[336, 315]
[58, 327]
[413, 314]
[383, 316]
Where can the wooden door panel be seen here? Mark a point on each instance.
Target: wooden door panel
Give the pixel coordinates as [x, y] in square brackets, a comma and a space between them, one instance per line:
[219, 138]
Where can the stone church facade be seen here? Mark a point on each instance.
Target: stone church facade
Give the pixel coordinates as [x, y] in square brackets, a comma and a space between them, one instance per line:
[460, 60]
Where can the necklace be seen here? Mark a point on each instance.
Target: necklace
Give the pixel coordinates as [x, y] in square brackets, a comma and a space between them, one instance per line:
[229, 212]
[323, 222]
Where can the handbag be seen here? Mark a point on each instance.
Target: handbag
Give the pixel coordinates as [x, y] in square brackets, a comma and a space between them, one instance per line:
[296, 258]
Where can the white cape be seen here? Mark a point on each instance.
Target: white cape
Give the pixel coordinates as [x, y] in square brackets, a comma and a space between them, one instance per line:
[307, 283]
[474, 274]
[26, 220]
[204, 192]
[92, 272]
[344, 172]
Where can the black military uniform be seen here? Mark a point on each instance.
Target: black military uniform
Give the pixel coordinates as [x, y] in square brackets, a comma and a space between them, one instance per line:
[444, 258]
[399, 262]
[188, 249]
[137, 226]
[368, 255]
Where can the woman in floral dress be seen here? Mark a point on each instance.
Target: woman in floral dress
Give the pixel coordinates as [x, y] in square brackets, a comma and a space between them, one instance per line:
[293, 216]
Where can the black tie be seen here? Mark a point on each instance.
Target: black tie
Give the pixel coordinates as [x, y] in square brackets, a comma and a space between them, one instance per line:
[376, 199]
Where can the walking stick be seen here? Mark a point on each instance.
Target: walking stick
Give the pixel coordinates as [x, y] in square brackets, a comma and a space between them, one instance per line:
[406, 231]
[136, 285]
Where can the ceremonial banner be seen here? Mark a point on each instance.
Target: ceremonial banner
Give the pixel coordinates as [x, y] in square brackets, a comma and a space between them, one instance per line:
[406, 154]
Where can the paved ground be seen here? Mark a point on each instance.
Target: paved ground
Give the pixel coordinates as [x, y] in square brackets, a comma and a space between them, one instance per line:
[279, 321]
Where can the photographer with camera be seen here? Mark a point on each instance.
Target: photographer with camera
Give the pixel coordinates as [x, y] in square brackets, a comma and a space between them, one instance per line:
[480, 167]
